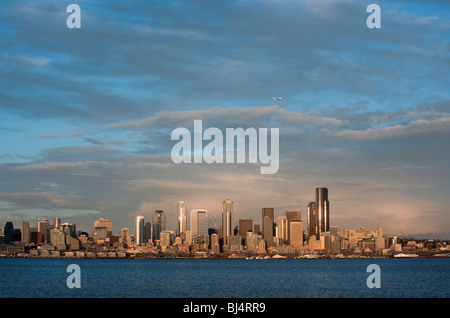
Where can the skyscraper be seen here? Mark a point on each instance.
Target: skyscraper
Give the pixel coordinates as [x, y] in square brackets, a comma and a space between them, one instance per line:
[311, 227]
[199, 222]
[147, 231]
[69, 229]
[139, 230]
[227, 219]
[181, 218]
[292, 216]
[159, 224]
[296, 234]
[106, 223]
[282, 229]
[26, 233]
[8, 231]
[57, 222]
[245, 225]
[42, 225]
[323, 209]
[267, 225]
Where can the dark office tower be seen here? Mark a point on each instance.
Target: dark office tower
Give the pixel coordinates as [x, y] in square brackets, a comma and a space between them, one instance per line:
[293, 215]
[245, 225]
[69, 229]
[311, 227]
[26, 233]
[227, 220]
[42, 226]
[159, 224]
[8, 230]
[16, 235]
[267, 225]
[323, 209]
[147, 232]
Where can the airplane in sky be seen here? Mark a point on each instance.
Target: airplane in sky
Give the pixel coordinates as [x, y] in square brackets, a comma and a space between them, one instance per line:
[277, 98]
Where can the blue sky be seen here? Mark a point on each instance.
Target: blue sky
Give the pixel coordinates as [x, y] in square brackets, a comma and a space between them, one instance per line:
[86, 114]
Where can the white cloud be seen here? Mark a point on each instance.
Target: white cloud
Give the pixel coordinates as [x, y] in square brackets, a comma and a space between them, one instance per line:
[27, 60]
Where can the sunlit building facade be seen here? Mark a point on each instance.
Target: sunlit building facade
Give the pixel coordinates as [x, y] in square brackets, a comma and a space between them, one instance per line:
[181, 218]
[199, 222]
[139, 230]
[227, 219]
[323, 209]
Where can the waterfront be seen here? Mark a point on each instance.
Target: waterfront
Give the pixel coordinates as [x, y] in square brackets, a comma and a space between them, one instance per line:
[219, 278]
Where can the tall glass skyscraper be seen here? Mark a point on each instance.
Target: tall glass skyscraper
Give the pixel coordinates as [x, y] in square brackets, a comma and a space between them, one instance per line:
[267, 225]
[227, 219]
[199, 222]
[139, 230]
[159, 224]
[311, 214]
[323, 209]
[147, 231]
[69, 229]
[181, 218]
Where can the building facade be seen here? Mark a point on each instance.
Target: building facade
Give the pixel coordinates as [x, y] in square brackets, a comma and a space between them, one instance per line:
[199, 222]
[227, 219]
[159, 224]
[181, 218]
[323, 210]
[267, 225]
[139, 230]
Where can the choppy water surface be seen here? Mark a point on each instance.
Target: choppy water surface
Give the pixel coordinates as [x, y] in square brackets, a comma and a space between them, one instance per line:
[202, 278]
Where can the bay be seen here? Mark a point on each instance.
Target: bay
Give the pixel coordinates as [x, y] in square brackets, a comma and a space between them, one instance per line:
[225, 278]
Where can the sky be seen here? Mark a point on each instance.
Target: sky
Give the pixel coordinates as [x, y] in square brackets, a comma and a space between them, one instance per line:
[86, 114]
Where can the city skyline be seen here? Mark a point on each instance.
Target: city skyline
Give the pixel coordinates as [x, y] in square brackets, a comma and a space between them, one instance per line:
[304, 215]
[198, 222]
[87, 114]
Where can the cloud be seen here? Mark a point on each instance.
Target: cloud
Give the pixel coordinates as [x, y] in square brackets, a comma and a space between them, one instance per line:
[43, 199]
[26, 61]
[49, 136]
[257, 116]
[56, 165]
[410, 129]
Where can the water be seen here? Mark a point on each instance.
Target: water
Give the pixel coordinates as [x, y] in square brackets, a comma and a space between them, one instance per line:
[215, 278]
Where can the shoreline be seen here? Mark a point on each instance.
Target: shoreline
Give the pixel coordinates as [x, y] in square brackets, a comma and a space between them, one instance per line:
[227, 257]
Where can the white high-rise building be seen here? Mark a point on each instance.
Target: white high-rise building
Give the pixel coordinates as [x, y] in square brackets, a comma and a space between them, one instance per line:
[181, 218]
[139, 230]
[227, 219]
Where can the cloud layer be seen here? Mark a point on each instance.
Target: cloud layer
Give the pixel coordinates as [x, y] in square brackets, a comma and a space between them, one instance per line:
[87, 113]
